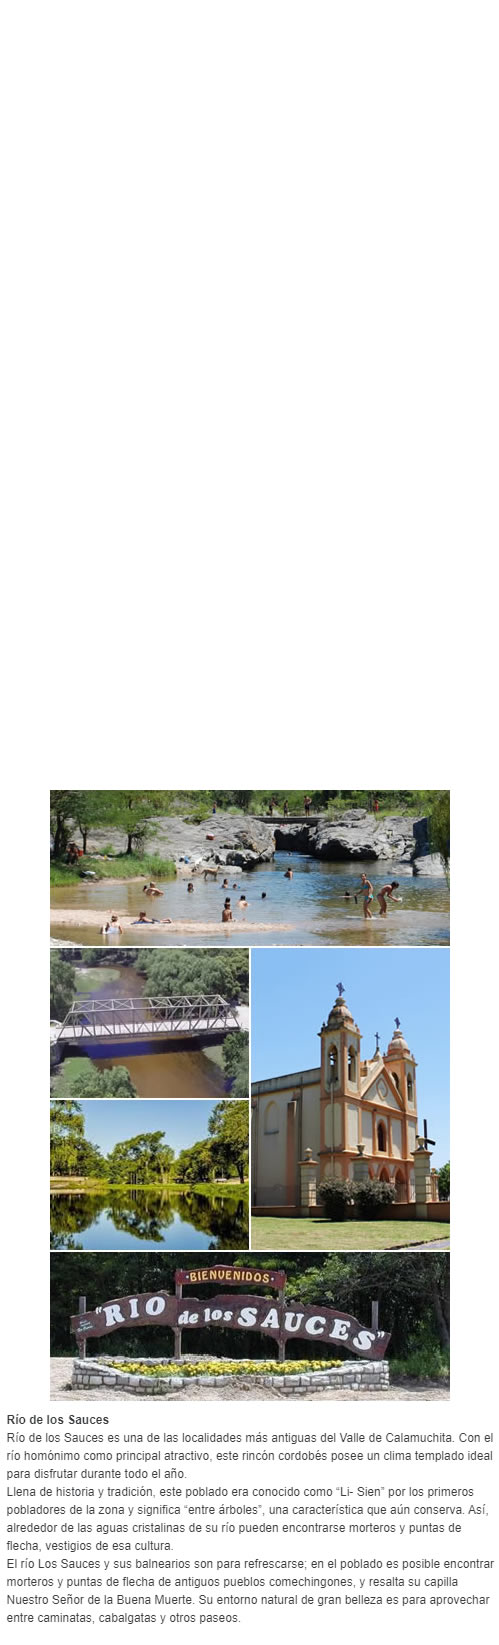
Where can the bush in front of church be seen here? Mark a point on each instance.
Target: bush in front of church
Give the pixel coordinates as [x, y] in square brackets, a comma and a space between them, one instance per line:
[336, 1196]
[372, 1197]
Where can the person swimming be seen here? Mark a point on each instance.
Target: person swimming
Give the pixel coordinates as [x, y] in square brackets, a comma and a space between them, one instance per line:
[242, 901]
[226, 911]
[225, 885]
[190, 886]
[288, 874]
[264, 893]
[387, 891]
[152, 890]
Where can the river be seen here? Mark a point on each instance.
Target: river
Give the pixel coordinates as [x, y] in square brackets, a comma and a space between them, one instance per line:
[167, 1073]
[313, 905]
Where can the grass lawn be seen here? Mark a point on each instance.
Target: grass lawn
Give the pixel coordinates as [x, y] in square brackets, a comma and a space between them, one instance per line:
[309, 1234]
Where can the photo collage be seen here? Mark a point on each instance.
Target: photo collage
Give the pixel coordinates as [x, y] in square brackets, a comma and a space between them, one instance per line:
[249, 1094]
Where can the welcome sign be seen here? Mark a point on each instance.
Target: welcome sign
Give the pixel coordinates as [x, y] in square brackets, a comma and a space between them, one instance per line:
[280, 1319]
[231, 1275]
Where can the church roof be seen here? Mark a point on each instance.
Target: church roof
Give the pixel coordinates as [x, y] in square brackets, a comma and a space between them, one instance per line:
[398, 1046]
[340, 1016]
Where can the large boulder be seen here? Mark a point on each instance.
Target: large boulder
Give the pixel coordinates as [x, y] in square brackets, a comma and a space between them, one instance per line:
[362, 836]
[432, 865]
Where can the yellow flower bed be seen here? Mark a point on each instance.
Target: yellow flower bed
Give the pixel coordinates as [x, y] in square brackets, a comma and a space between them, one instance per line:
[231, 1367]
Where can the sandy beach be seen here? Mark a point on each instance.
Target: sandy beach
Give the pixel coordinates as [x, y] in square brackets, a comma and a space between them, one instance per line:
[95, 918]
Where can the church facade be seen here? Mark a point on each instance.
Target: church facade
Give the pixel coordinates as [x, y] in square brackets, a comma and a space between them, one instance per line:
[349, 1113]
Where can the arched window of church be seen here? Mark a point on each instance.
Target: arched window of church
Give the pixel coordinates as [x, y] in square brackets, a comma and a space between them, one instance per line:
[410, 1088]
[396, 1081]
[271, 1120]
[352, 1065]
[381, 1136]
[333, 1065]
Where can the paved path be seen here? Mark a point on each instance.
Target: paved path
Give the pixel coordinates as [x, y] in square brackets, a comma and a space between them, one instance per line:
[430, 1245]
[60, 1388]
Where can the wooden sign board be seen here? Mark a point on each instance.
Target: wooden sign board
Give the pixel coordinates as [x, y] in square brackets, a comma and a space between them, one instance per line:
[221, 1274]
[279, 1319]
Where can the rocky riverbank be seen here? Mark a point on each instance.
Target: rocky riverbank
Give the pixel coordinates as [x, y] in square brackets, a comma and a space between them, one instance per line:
[218, 841]
[357, 835]
[243, 842]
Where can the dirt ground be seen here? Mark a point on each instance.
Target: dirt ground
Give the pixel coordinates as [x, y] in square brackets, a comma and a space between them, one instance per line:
[60, 1375]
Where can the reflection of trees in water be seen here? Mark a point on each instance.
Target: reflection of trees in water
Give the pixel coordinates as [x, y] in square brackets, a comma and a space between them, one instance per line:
[220, 1215]
[73, 1213]
[144, 1214]
[140, 1214]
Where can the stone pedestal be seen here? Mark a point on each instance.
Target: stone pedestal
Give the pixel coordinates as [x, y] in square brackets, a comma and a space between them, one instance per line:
[308, 1180]
[422, 1182]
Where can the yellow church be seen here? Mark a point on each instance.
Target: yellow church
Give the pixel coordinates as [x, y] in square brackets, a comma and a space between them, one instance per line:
[351, 1117]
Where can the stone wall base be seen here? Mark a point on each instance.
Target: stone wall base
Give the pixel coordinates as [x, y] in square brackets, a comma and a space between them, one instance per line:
[358, 1376]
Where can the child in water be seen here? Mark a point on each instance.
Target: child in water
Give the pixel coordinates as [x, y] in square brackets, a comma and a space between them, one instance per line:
[226, 911]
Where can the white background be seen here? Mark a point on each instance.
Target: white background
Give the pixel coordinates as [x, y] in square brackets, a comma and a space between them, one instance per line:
[249, 395]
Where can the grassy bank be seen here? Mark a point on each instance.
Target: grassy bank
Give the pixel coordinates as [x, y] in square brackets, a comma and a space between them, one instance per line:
[308, 1234]
[115, 867]
[89, 1185]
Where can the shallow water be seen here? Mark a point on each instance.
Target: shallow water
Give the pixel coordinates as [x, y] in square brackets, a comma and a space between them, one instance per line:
[313, 903]
[141, 1218]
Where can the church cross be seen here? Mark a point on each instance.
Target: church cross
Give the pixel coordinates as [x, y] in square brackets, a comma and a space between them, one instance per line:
[428, 1141]
[377, 1042]
[397, 1022]
[340, 988]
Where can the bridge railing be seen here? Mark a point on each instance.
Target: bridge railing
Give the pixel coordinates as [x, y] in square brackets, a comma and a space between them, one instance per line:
[102, 1018]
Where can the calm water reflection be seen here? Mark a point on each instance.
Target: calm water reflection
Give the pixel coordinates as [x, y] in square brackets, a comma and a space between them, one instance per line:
[127, 1219]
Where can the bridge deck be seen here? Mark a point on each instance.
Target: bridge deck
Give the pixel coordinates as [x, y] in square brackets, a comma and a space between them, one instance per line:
[284, 822]
[147, 1018]
[202, 1025]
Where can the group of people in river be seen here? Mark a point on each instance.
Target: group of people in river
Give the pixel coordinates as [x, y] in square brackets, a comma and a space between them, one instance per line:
[385, 895]
[366, 891]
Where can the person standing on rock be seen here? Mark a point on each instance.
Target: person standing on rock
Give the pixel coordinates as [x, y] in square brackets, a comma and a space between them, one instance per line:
[307, 804]
[387, 891]
[285, 809]
[366, 891]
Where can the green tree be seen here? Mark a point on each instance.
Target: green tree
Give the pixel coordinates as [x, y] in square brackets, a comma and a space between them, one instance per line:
[444, 1181]
[195, 1164]
[66, 1133]
[63, 807]
[439, 824]
[235, 1057]
[85, 1079]
[62, 986]
[228, 1127]
[146, 1156]
[131, 812]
